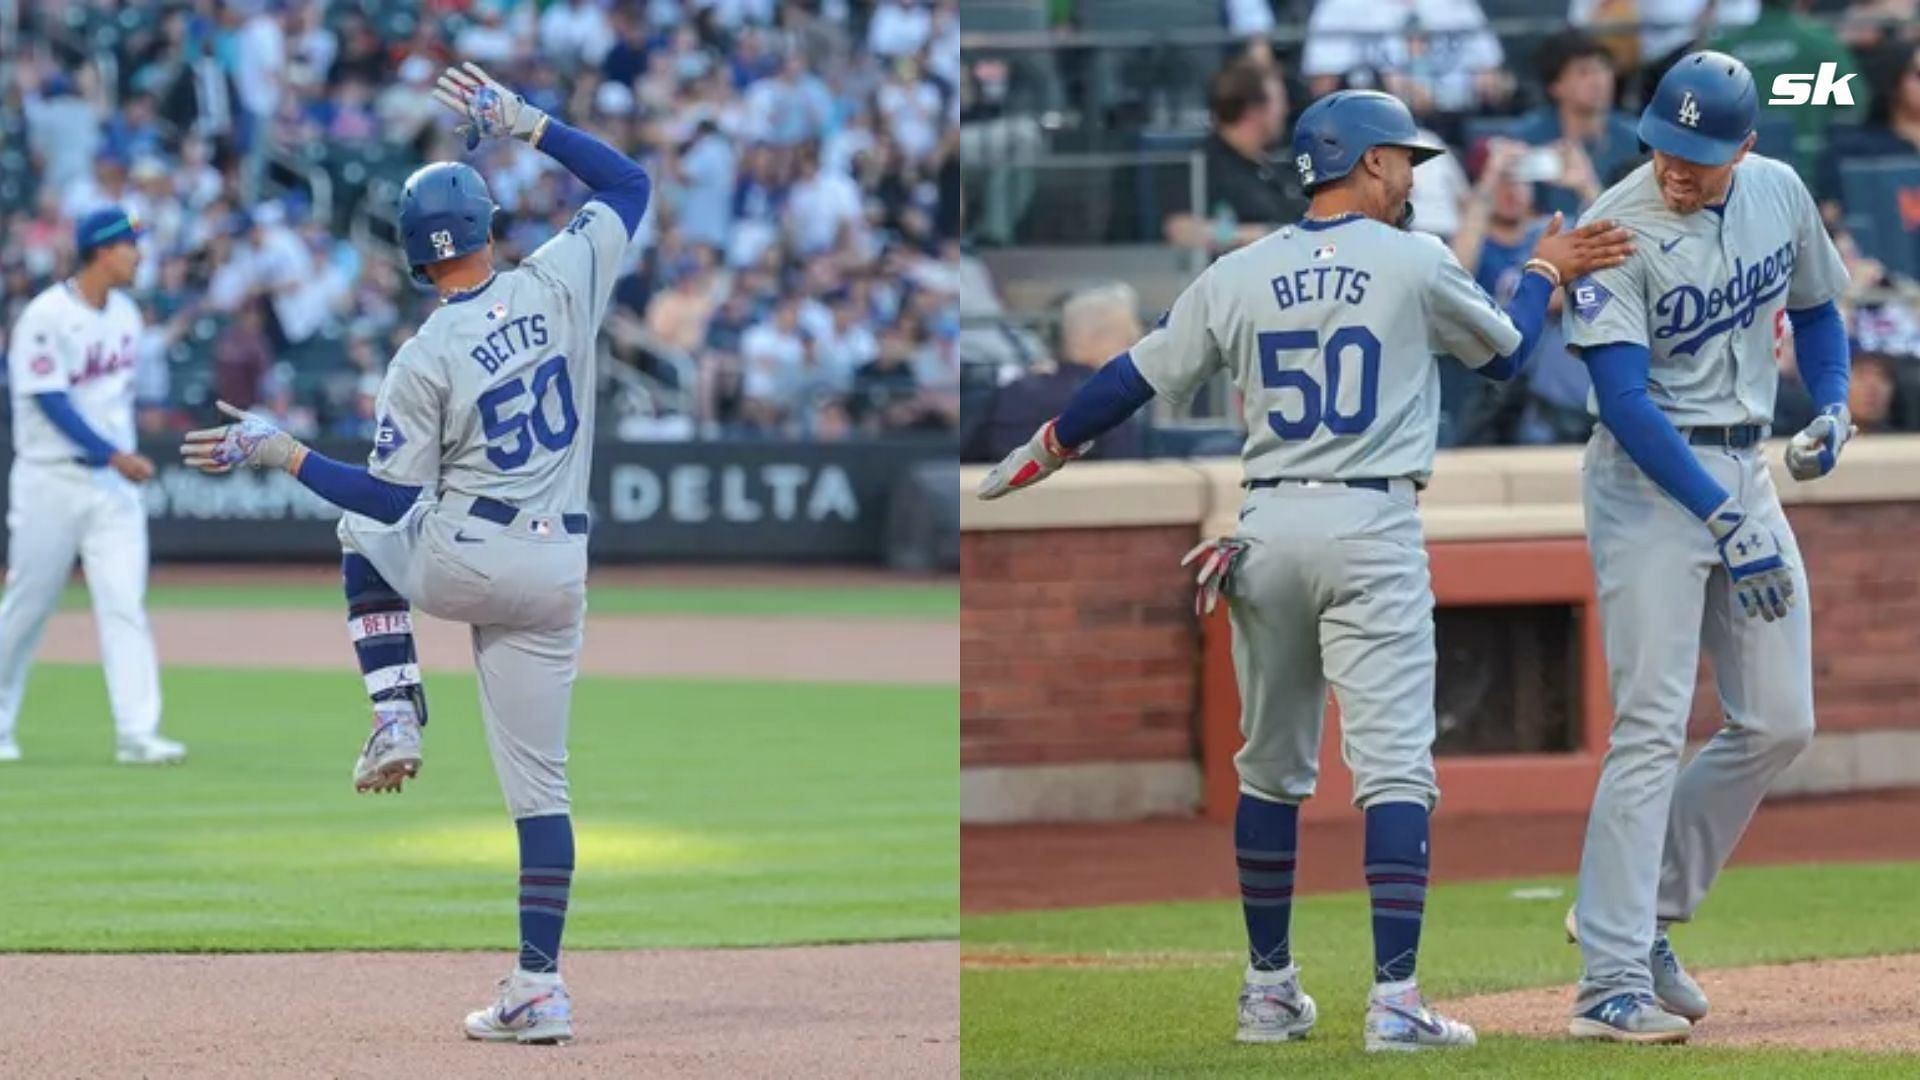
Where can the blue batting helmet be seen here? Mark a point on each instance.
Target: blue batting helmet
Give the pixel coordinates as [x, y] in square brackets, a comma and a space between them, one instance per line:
[445, 212]
[1703, 110]
[1336, 130]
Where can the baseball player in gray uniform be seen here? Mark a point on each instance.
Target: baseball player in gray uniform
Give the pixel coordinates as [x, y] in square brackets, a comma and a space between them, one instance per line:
[473, 505]
[1689, 543]
[1330, 328]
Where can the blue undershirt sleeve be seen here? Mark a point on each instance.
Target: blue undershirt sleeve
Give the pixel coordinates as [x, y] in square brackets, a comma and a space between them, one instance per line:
[1820, 351]
[59, 411]
[614, 178]
[1103, 402]
[350, 487]
[1528, 310]
[1619, 373]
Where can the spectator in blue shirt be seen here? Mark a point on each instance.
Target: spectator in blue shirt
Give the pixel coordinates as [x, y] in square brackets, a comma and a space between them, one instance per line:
[1577, 72]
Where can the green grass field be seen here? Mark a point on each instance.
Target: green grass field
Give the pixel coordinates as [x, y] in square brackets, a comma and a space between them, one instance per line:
[708, 814]
[1172, 1015]
[903, 601]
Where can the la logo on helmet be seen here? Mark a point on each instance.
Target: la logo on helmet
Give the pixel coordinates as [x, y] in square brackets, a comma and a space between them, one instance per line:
[1689, 110]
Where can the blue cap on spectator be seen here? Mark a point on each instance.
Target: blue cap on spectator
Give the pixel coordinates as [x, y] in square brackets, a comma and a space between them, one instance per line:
[103, 227]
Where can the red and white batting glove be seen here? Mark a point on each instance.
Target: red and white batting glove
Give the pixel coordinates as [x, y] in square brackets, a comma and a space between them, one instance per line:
[1217, 557]
[1029, 464]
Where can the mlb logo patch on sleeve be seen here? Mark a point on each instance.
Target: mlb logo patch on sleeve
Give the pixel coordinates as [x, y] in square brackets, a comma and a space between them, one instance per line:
[1589, 297]
[387, 439]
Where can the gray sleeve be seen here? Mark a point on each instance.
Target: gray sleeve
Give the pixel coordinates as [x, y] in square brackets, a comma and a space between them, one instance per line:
[410, 407]
[584, 260]
[1180, 352]
[1819, 275]
[1462, 320]
[1607, 306]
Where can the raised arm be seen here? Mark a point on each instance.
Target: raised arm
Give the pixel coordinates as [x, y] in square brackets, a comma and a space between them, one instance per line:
[493, 111]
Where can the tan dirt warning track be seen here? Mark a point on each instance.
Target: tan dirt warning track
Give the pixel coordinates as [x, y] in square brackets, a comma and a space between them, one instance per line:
[1859, 1004]
[881, 1011]
[862, 650]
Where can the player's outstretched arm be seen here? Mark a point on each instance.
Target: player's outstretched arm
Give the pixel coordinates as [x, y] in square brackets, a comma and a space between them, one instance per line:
[1102, 403]
[254, 442]
[490, 111]
[1558, 257]
[1821, 352]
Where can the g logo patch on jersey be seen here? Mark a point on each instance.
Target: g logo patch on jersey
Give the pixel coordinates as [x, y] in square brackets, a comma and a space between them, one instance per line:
[387, 439]
[1589, 299]
[443, 244]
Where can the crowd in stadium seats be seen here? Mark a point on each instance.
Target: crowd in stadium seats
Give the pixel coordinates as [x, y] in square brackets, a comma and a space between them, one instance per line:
[1540, 114]
[796, 276]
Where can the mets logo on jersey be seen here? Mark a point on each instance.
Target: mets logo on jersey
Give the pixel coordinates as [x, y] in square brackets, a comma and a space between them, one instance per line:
[1697, 317]
[442, 244]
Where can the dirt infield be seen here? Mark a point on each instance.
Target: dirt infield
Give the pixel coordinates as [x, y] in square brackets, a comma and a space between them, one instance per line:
[849, 1011]
[1016, 867]
[1860, 1004]
[879, 1011]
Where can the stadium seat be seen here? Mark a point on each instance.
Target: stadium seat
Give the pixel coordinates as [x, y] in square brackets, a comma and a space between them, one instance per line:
[1874, 192]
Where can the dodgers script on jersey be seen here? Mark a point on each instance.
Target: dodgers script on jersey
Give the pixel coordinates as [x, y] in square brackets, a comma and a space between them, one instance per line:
[493, 396]
[1330, 330]
[62, 343]
[1708, 292]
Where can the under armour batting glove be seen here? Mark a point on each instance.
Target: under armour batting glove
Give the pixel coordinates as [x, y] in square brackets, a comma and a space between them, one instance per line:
[251, 440]
[491, 110]
[1030, 463]
[1761, 577]
[1814, 452]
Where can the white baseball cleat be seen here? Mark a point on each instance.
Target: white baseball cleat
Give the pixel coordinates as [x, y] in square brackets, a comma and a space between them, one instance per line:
[531, 1009]
[9, 751]
[1274, 1008]
[391, 755]
[150, 750]
[1398, 1019]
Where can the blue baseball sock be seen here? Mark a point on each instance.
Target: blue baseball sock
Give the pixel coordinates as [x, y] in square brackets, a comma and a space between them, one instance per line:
[546, 877]
[381, 624]
[1397, 882]
[1265, 836]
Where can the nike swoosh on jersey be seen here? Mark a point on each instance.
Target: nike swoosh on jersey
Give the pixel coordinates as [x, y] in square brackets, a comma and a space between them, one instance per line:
[1668, 245]
[462, 537]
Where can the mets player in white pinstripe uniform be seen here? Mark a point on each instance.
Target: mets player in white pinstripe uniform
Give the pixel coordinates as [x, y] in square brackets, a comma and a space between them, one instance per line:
[74, 489]
[1690, 547]
[1330, 329]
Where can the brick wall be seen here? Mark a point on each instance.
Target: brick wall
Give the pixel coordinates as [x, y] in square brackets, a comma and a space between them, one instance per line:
[1077, 645]
[1864, 568]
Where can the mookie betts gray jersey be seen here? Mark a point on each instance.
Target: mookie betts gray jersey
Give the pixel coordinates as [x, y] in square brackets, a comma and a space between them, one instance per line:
[494, 394]
[1708, 292]
[1330, 331]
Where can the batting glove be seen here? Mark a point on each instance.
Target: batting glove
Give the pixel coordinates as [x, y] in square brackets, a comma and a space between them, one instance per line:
[1761, 577]
[1814, 452]
[1039, 458]
[1218, 557]
[490, 109]
[252, 441]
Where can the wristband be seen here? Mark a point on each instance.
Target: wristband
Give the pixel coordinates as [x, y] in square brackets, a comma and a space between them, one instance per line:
[1547, 270]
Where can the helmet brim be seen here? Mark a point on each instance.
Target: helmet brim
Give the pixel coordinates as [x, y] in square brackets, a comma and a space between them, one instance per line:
[1687, 145]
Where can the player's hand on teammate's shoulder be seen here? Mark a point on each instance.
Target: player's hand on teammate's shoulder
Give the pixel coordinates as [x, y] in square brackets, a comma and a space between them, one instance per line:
[1597, 245]
[1029, 463]
[491, 111]
[250, 440]
[135, 467]
[1815, 450]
